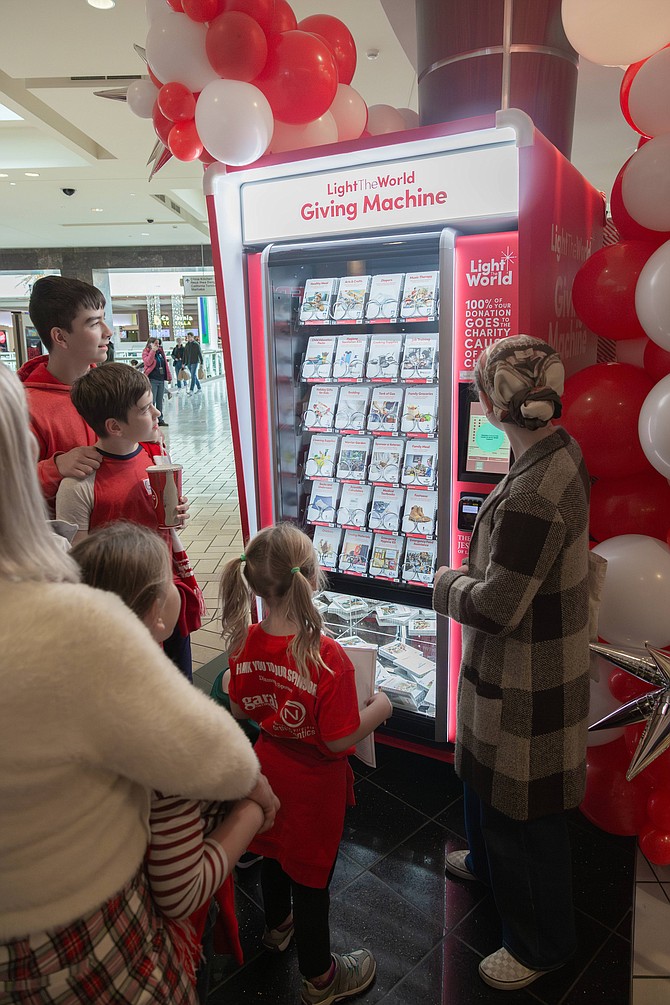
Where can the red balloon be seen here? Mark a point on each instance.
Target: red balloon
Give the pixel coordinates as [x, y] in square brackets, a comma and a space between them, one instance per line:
[176, 5]
[638, 504]
[184, 142]
[658, 809]
[338, 37]
[655, 845]
[658, 772]
[202, 10]
[631, 738]
[609, 755]
[624, 687]
[629, 228]
[161, 124]
[603, 292]
[601, 407]
[236, 46]
[612, 803]
[262, 11]
[300, 77]
[656, 361]
[284, 19]
[176, 102]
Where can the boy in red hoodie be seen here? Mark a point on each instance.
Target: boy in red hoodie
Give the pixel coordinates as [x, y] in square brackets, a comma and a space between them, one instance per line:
[69, 317]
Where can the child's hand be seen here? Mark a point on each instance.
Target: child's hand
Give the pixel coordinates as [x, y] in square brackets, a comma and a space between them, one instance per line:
[267, 800]
[382, 701]
[182, 510]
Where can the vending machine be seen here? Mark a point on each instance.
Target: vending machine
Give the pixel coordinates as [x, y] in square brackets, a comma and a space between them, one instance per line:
[357, 287]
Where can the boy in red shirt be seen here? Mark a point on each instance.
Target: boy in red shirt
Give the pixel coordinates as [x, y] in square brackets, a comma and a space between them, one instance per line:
[116, 402]
[69, 317]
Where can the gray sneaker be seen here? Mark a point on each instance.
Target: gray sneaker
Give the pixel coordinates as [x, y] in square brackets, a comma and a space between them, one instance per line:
[354, 973]
[277, 939]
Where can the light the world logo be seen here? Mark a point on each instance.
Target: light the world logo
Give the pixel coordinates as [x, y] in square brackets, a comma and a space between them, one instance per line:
[491, 271]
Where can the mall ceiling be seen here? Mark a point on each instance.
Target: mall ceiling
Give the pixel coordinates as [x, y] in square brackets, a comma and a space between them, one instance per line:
[55, 55]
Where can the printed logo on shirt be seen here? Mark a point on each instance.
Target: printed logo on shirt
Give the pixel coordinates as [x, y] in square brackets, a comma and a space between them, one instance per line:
[293, 714]
[292, 676]
[259, 699]
[147, 486]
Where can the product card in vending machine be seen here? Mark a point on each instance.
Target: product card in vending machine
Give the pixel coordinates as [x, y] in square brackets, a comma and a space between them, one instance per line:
[386, 461]
[320, 412]
[354, 454]
[384, 297]
[419, 513]
[350, 356]
[385, 410]
[323, 501]
[327, 546]
[419, 417]
[352, 408]
[419, 361]
[419, 296]
[420, 464]
[386, 510]
[386, 558]
[420, 559]
[354, 502]
[349, 304]
[384, 358]
[317, 301]
[355, 553]
[322, 456]
[318, 362]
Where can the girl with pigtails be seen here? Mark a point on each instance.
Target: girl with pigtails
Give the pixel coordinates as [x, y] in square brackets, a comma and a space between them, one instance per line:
[298, 684]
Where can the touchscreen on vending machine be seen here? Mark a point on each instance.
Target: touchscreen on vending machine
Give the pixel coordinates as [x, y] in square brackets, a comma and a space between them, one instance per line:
[487, 447]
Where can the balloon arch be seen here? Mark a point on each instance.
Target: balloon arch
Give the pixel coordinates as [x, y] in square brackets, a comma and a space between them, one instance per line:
[230, 80]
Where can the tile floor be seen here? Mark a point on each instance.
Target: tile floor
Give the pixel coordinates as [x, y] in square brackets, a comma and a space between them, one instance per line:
[389, 889]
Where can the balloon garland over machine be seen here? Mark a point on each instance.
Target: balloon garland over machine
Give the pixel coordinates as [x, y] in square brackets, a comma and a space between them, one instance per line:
[620, 414]
[231, 80]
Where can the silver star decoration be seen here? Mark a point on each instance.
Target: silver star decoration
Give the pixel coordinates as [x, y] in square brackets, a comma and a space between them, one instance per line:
[653, 707]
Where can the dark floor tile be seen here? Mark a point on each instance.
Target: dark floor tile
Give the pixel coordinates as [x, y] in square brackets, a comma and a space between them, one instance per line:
[426, 784]
[625, 929]
[248, 881]
[346, 870]
[452, 818]
[268, 979]
[603, 875]
[377, 823]
[368, 913]
[448, 976]
[607, 979]
[415, 871]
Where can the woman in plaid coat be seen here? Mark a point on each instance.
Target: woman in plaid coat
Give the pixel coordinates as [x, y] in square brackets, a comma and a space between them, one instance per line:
[523, 695]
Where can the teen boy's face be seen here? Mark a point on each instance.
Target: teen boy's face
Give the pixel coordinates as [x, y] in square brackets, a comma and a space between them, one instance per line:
[141, 425]
[88, 337]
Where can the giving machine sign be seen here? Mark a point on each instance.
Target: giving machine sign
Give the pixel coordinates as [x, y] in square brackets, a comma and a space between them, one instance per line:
[401, 193]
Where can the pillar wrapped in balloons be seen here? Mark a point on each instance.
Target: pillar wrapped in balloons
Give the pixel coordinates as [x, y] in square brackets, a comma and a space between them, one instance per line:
[620, 414]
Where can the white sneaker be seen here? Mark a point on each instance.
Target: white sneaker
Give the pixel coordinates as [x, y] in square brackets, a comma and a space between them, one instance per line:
[455, 864]
[500, 970]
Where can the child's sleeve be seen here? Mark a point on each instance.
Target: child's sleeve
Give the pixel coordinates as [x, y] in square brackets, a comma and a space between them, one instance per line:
[74, 501]
[336, 700]
[184, 868]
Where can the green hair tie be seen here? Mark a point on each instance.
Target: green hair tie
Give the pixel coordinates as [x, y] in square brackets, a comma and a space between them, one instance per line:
[243, 557]
[296, 568]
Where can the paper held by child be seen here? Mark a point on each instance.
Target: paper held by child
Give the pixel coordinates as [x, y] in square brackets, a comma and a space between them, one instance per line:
[364, 658]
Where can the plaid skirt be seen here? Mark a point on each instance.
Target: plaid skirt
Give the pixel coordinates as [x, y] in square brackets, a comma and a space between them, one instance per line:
[118, 954]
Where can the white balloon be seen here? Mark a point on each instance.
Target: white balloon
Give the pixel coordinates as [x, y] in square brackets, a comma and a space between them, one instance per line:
[154, 8]
[176, 51]
[613, 32]
[601, 703]
[654, 429]
[349, 111]
[141, 97]
[636, 595]
[645, 186]
[631, 350]
[299, 137]
[649, 95]
[652, 296]
[384, 119]
[234, 121]
[410, 117]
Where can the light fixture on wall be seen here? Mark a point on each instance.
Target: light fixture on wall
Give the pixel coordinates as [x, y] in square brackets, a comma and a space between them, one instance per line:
[102, 4]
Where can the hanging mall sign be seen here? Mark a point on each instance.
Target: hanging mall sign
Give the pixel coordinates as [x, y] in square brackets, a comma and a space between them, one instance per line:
[199, 286]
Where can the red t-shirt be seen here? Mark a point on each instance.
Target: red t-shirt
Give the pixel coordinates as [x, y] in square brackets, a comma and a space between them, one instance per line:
[297, 717]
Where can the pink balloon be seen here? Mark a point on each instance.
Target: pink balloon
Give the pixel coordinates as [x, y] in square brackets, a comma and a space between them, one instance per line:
[645, 94]
[312, 134]
[176, 51]
[411, 117]
[384, 119]
[349, 111]
[652, 296]
[645, 187]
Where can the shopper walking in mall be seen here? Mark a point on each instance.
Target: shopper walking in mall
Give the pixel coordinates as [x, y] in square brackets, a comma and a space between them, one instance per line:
[93, 717]
[192, 360]
[299, 685]
[178, 361]
[157, 369]
[522, 598]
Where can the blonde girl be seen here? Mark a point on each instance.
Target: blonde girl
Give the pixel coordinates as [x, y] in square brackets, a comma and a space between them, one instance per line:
[298, 684]
[185, 868]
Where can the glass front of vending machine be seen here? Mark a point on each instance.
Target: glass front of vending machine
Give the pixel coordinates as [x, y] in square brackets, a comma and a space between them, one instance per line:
[355, 367]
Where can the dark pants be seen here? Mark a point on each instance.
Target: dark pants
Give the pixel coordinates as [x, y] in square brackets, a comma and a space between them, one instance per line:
[310, 915]
[528, 865]
[157, 390]
[178, 649]
[193, 368]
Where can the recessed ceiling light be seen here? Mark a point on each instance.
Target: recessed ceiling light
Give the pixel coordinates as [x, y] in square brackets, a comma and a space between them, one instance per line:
[96, 209]
[102, 4]
[32, 174]
[3, 175]
[12, 183]
[143, 235]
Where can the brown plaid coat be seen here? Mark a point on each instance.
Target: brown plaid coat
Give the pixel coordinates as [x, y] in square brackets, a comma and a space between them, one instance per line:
[523, 693]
